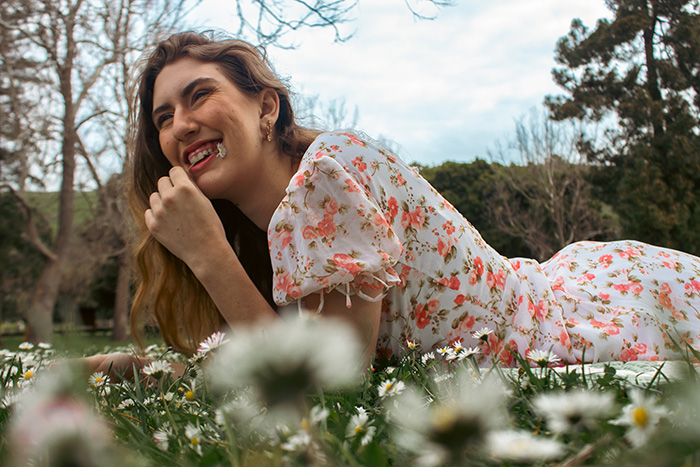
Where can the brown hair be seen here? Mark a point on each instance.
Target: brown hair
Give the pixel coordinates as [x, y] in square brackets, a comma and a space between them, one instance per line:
[167, 289]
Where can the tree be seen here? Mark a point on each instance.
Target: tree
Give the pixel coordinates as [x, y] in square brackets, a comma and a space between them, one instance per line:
[79, 42]
[639, 74]
[545, 199]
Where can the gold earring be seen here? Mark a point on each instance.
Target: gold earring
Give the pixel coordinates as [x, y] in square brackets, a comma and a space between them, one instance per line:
[269, 130]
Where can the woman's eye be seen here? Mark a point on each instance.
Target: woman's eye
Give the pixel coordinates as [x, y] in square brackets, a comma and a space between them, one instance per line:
[162, 120]
[199, 94]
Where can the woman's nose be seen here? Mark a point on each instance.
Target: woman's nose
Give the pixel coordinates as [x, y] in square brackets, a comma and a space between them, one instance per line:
[183, 125]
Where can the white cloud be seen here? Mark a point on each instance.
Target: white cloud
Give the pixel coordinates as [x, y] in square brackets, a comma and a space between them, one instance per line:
[442, 89]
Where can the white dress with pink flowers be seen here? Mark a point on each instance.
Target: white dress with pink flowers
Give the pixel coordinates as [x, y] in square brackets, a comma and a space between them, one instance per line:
[358, 220]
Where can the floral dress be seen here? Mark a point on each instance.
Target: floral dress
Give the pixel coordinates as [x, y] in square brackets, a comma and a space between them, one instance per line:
[358, 220]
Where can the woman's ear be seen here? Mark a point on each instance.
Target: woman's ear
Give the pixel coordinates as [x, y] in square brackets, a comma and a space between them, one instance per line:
[269, 107]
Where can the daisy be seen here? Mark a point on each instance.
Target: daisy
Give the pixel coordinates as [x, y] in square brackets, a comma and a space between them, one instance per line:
[125, 404]
[641, 415]
[26, 346]
[568, 412]
[446, 352]
[161, 437]
[425, 358]
[157, 369]
[194, 435]
[360, 427]
[98, 379]
[212, 342]
[482, 334]
[391, 387]
[411, 344]
[543, 358]
[522, 447]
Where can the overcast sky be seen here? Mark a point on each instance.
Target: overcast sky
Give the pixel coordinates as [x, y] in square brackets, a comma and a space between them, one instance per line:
[444, 89]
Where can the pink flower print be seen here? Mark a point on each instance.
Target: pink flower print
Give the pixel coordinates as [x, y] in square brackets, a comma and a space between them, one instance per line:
[327, 227]
[558, 283]
[320, 154]
[309, 232]
[285, 283]
[541, 311]
[379, 220]
[331, 206]
[565, 339]
[393, 207]
[692, 286]
[625, 287]
[478, 266]
[352, 186]
[401, 181]
[636, 288]
[423, 313]
[444, 244]
[628, 355]
[343, 261]
[459, 299]
[497, 280]
[286, 238]
[586, 277]
[516, 264]
[629, 253]
[413, 218]
[664, 288]
[604, 295]
[359, 163]
[473, 277]
[606, 260]
[608, 328]
[298, 179]
[353, 139]
[454, 283]
[448, 227]
[640, 348]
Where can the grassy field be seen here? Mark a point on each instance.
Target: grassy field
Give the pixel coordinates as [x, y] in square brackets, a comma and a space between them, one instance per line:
[77, 343]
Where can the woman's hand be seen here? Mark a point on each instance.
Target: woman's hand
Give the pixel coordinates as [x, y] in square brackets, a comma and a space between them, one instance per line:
[183, 220]
[116, 365]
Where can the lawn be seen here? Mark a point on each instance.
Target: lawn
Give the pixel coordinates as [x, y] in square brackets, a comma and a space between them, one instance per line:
[295, 395]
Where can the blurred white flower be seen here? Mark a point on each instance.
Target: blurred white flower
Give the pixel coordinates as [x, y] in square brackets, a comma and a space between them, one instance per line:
[162, 437]
[287, 359]
[212, 342]
[425, 358]
[299, 441]
[543, 358]
[442, 431]
[641, 415]
[26, 346]
[157, 369]
[360, 427]
[482, 334]
[194, 435]
[567, 412]
[522, 447]
[391, 387]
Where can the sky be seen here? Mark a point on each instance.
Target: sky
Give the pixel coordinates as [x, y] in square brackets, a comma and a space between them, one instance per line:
[441, 89]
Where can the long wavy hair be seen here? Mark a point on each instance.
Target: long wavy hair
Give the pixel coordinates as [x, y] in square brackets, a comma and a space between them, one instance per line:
[167, 290]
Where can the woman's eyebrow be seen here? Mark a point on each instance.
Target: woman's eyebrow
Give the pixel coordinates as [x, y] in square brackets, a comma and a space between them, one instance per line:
[185, 91]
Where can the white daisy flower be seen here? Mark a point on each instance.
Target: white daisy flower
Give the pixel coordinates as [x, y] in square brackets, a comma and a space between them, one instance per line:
[26, 346]
[411, 344]
[543, 358]
[522, 447]
[157, 369]
[482, 334]
[162, 436]
[98, 379]
[212, 342]
[360, 427]
[285, 360]
[391, 387]
[125, 404]
[566, 412]
[446, 352]
[301, 440]
[641, 415]
[425, 358]
[194, 435]
[44, 345]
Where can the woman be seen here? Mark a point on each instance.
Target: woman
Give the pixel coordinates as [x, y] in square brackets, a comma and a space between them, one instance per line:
[353, 232]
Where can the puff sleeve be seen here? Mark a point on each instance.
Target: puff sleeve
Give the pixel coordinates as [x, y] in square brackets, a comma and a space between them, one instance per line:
[330, 233]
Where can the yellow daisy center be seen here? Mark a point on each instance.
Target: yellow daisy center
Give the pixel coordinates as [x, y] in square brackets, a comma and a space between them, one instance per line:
[358, 429]
[98, 380]
[389, 386]
[29, 374]
[304, 424]
[194, 441]
[189, 395]
[640, 416]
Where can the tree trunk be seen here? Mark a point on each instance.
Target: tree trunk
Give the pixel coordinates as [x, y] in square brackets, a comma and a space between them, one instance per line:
[121, 301]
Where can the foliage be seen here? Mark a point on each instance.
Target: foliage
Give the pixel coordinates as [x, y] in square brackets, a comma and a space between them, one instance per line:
[637, 74]
[437, 408]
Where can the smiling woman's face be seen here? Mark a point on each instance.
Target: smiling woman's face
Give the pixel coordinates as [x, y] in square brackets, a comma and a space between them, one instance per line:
[197, 107]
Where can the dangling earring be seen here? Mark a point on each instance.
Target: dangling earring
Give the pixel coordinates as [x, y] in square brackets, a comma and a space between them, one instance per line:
[269, 130]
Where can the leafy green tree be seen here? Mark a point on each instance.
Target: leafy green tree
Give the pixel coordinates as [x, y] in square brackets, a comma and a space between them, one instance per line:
[638, 75]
